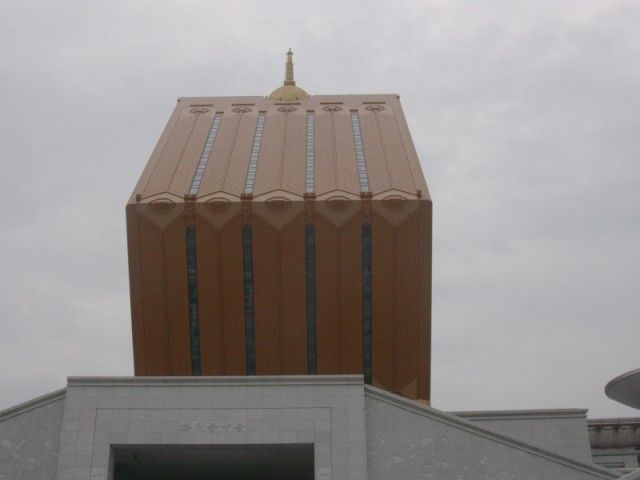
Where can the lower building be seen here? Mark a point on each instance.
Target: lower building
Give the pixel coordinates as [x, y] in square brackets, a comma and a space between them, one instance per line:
[302, 427]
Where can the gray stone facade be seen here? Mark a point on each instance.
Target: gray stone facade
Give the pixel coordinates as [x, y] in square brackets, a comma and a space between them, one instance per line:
[615, 442]
[30, 438]
[408, 440]
[562, 431]
[354, 431]
[327, 412]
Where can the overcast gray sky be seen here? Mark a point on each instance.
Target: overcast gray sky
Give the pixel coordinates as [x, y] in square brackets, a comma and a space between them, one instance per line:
[525, 115]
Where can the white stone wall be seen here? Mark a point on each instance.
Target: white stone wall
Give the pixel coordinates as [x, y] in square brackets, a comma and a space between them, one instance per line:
[406, 440]
[29, 439]
[561, 431]
[325, 411]
[71, 438]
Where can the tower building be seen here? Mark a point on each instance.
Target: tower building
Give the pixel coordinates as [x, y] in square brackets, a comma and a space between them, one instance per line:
[279, 235]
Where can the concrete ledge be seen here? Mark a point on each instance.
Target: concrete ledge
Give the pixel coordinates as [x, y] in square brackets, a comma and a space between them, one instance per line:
[473, 428]
[522, 414]
[31, 404]
[604, 422]
[276, 380]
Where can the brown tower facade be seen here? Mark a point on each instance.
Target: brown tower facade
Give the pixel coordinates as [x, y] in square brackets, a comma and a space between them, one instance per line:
[285, 235]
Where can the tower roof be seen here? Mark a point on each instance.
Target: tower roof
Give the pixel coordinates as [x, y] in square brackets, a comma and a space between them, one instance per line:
[288, 91]
[222, 131]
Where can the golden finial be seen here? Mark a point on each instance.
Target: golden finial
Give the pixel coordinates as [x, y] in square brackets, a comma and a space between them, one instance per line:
[288, 91]
[288, 76]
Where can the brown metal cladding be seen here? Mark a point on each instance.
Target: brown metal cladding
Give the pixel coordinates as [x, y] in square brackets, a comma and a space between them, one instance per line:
[236, 173]
[176, 297]
[216, 171]
[153, 297]
[424, 300]
[135, 289]
[346, 170]
[407, 290]
[284, 144]
[233, 297]
[292, 174]
[384, 302]
[293, 321]
[391, 159]
[210, 281]
[183, 174]
[266, 296]
[329, 344]
[170, 156]
[410, 156]
[399, 169]
[270, 159]
[325, 154]
[350, 294]
[398, 207]
[157, 151]
[377, 168]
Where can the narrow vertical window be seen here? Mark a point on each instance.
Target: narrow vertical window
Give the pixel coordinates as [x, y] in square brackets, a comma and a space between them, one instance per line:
[310, 254]
[308, 179]
[206, 153]
[249, 321]
[360, 161]
[192, 282]
[250, 180]
[366, 303]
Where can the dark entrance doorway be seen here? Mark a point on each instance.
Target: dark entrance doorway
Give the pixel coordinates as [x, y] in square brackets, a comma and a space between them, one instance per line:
[209, 462]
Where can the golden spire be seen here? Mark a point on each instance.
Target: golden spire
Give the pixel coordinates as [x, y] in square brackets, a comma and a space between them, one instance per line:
[288, 76]
[288, 91]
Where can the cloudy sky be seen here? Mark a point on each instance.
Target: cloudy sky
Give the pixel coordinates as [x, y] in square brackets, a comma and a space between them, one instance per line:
[526, 117]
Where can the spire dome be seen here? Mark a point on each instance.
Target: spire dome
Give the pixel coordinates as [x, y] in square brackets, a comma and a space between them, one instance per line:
[288, 91]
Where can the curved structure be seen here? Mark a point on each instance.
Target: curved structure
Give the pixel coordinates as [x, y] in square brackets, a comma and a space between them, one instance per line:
[625, 389]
